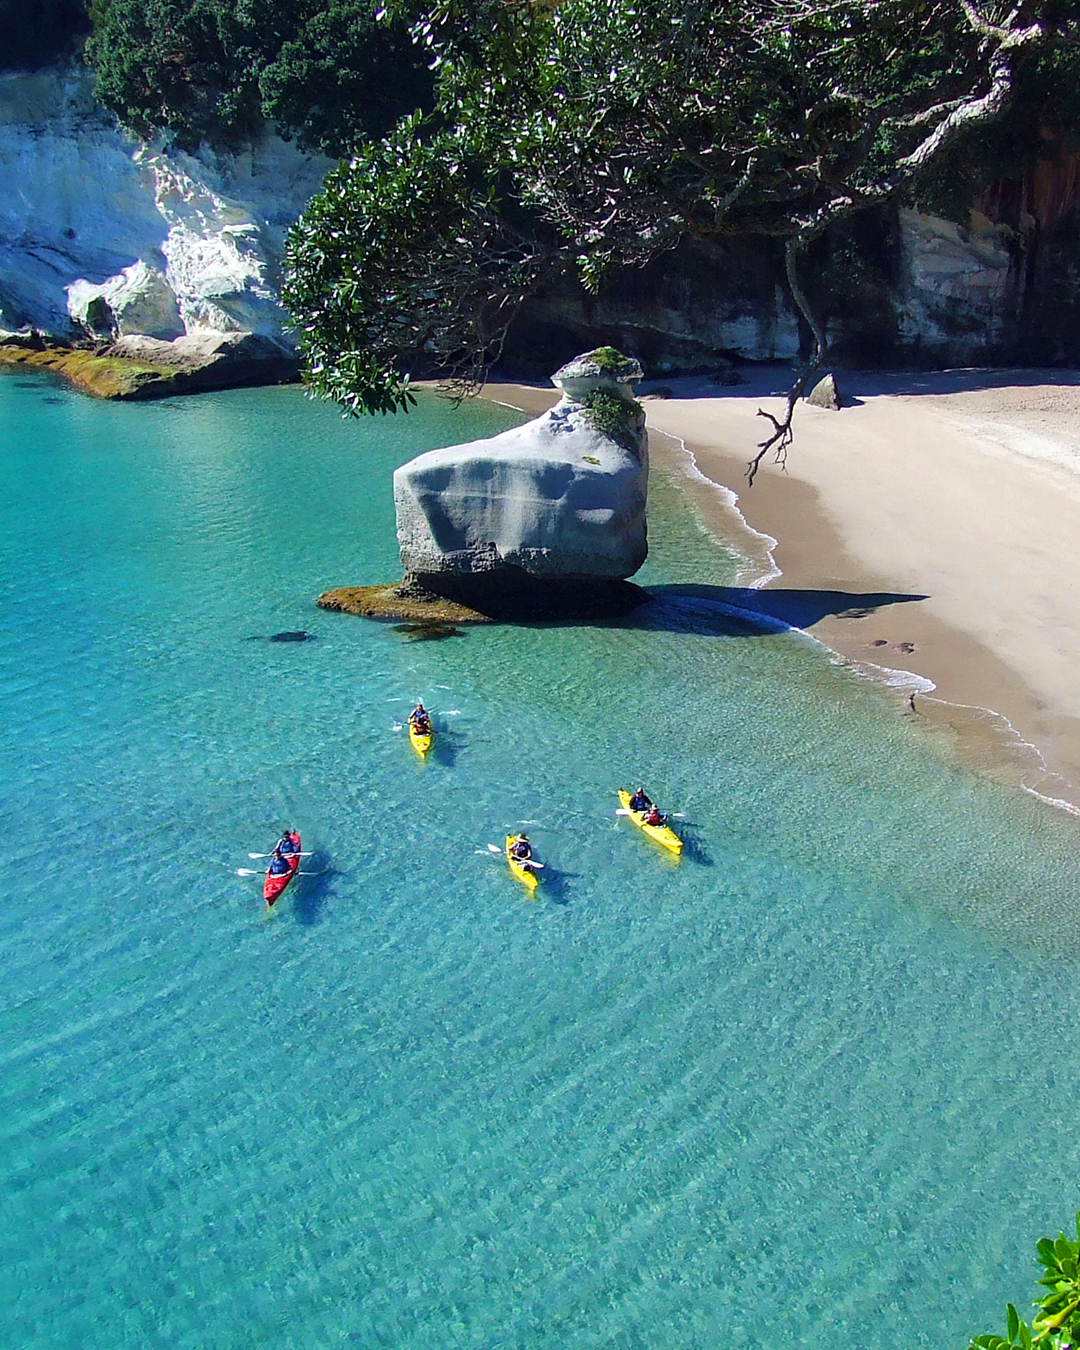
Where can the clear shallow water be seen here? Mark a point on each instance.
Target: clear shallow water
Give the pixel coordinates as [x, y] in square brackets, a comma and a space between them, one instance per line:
[814, 1083]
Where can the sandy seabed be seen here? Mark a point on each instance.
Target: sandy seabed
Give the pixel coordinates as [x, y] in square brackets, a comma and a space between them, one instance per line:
[928, 532]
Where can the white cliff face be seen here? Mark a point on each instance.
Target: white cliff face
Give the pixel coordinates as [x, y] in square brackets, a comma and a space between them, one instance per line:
[171, 243]
[556, 497]
[958, 284]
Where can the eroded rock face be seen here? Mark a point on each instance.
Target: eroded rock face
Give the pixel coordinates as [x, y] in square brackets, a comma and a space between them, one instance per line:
[102, 233]
[138, 300]
[560, 498]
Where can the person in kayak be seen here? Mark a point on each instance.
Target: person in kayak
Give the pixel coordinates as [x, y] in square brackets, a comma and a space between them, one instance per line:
[288, 846]
[279, 865]
[655, 816]
[420, 721]
[521, 849]
[640, 801]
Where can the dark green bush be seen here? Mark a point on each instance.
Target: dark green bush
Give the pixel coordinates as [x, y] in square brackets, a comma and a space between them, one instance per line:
[213, 70]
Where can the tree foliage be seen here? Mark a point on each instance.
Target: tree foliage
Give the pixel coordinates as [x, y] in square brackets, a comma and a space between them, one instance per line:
[212, 70]
[598, 133]
[1056, 1326]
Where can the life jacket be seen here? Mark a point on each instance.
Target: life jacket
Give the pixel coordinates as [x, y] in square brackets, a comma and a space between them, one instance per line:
[278, 867]
[288, 844]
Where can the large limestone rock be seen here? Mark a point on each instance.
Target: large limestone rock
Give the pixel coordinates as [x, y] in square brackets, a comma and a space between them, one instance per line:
[561, 498]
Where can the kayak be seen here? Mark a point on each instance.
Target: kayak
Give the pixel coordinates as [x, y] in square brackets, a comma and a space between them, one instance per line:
[421, 741]
[274, 885]
[526, 875]
[663, 834]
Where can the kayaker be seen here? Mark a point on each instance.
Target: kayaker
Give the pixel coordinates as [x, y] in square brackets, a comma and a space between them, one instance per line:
[655, 816]
[288, 846]
[521, 849]
[278, 864]
[420, 719]
[640, 801]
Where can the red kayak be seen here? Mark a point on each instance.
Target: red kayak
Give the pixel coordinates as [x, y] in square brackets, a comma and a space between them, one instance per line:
[276, 882]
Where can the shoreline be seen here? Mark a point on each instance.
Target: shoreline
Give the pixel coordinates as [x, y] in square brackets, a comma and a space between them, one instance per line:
[925, 534]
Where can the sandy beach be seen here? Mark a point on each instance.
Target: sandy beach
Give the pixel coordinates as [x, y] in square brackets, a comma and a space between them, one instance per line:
[928, 532]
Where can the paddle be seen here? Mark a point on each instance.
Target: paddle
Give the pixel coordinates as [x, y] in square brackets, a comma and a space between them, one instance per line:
[249, 872]
[670, 815]
[270, 855]
[524, 862]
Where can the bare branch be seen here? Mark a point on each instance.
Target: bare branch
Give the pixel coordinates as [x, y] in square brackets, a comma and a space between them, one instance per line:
[782, 433]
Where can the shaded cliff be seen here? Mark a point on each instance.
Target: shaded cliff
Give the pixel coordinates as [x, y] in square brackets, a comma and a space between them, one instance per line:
[894, 287]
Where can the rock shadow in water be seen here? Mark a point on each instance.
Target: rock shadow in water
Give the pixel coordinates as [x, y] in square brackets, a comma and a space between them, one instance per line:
[740, 611]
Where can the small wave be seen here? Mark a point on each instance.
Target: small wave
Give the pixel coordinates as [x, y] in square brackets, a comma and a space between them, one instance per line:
[752, 575]
[1058, 802]
[886, 675]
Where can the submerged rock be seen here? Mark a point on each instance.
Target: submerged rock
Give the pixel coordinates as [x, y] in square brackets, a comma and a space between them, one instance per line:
[298, 636]
[559, 500]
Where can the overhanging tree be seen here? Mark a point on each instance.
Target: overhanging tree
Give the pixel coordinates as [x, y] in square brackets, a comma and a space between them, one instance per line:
[598, 133]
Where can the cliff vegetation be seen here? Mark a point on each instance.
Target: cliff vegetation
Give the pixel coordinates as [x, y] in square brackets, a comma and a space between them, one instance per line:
[596, 138]
[216, 71]
[501, 155]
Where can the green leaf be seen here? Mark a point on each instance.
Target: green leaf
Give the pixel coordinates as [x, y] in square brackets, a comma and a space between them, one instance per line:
[1013, 1322]
[1047, 1252]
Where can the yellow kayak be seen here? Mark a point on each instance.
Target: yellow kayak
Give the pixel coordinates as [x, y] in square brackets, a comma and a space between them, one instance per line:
[663, 834]
[526, 875]
[421, 741]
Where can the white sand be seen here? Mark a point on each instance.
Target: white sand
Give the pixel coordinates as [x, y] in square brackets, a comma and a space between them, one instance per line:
[961, 488]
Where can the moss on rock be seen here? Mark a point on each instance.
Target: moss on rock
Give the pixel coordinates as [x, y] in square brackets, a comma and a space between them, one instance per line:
[103, 376]
[509, 595]
[398, 601]
[614, 415]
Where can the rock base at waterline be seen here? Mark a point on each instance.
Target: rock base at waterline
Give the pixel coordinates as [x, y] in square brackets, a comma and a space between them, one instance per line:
[145, 368]
[508, 596]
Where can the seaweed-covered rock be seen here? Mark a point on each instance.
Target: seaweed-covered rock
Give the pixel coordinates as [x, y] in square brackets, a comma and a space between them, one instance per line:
[559, 498]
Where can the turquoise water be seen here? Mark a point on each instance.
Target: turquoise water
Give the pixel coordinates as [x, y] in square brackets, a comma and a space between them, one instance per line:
[812, 1084]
